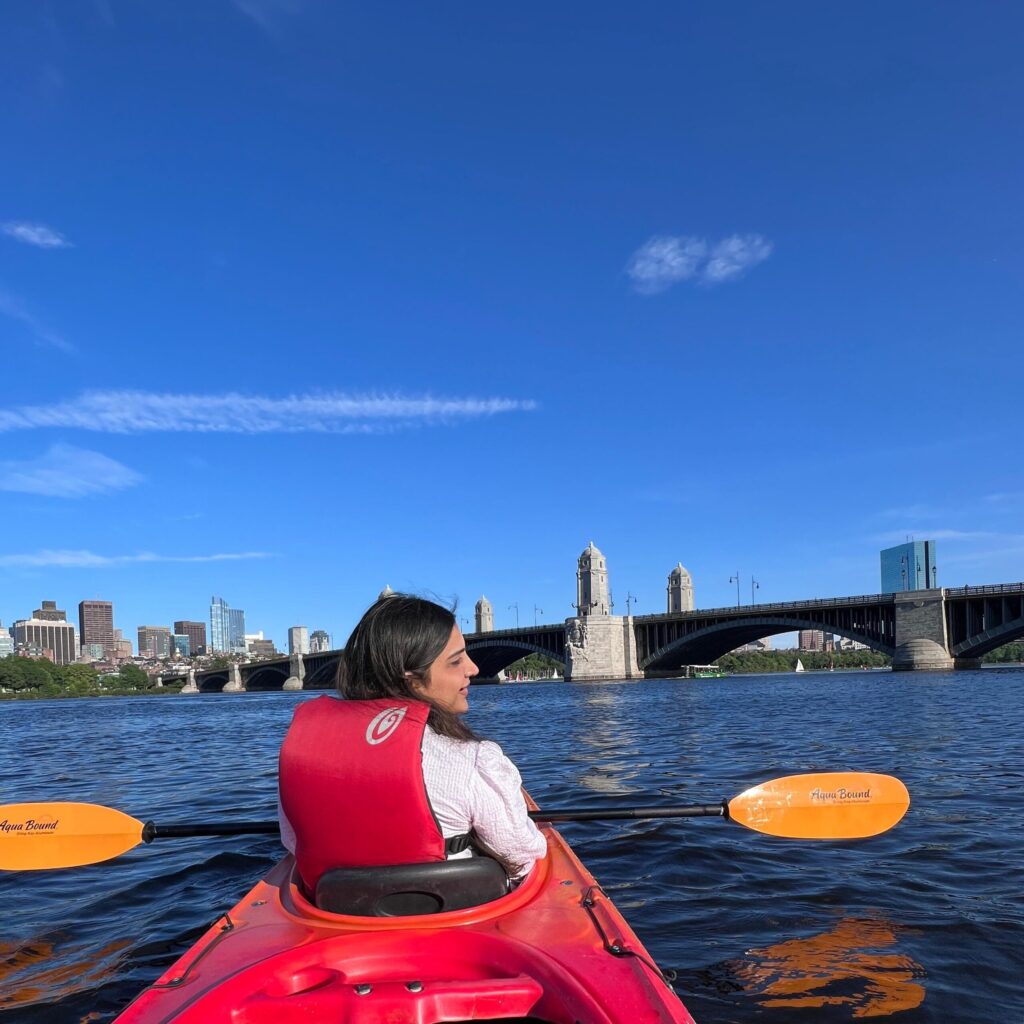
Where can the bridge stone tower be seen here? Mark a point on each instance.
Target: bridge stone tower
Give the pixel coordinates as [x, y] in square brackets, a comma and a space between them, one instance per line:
[484, 616]
[593, 596]
[598, 645]
[680, 590]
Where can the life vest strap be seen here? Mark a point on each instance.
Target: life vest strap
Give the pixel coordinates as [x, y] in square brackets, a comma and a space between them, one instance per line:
[458, 844]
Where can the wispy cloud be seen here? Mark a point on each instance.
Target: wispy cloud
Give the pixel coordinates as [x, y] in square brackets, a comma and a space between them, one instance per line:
[39, 235]
[67, 472]
[81, 559]
[732, 256]
[665, 260]
[41, 334]
[137, 412]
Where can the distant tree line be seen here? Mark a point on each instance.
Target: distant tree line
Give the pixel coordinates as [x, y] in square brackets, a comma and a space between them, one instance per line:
[1007, 653]
[536, 666]
[40, 677]
[743, 662]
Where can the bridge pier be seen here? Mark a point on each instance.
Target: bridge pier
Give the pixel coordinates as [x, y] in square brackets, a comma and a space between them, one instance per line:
[600, 647]
[921, 641]
[190, 686]
[296, 673]
[234, 683]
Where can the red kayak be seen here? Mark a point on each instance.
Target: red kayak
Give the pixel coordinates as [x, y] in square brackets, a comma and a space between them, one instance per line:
[553, 950]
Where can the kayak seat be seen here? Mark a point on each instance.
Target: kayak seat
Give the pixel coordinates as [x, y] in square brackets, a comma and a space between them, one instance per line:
[402, 890]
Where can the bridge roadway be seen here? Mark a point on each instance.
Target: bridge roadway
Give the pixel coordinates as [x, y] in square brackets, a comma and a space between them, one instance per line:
[940, 628]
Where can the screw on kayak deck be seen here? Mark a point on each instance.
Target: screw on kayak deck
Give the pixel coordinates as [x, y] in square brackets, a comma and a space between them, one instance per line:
[414, 986]
[363, 990]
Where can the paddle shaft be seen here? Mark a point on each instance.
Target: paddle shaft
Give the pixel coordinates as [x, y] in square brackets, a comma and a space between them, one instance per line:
[152, 831]
[612, 814]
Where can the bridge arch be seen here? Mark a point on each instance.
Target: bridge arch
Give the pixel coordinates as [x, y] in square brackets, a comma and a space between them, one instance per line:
[262, 677]
[491, 656]
[321, 672]
[213, 682]
[704, 646]
[980, 644]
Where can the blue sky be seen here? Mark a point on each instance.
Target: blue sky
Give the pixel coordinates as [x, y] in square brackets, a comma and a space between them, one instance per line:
[299, 299]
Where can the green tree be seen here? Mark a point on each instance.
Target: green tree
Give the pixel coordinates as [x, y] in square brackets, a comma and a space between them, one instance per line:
[131, 677]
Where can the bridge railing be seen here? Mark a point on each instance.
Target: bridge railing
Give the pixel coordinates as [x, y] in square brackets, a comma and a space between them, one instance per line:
[516, 632]
[991, 588]
[746, 609]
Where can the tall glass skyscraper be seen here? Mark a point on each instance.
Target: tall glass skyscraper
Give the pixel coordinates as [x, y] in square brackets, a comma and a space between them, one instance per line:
[909, 566]
[236, 629]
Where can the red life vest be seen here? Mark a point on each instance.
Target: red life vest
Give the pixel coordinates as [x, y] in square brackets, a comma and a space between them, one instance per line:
[351, 781]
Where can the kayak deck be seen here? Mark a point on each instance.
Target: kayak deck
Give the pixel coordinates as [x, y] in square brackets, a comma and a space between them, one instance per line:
[554, 950]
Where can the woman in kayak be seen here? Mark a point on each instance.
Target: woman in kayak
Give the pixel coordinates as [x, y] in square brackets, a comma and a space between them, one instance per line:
[393, 774]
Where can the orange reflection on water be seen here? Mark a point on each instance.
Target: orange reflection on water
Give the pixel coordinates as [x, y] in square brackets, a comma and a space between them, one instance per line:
[35, 972]
[844, 966]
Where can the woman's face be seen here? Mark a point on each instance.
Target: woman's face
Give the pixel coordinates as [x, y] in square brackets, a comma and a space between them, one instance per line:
[447, 679]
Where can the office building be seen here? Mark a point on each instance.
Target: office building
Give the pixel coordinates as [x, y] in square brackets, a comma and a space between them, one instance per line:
[49, 613]
[680, 590]
[298, 640]
[122, 648]
[196, 633]
[811, 640]
[154, 642]
[236, 629]
[909, 566]
[6, 642]
[227, 627]
[96, 624]
[319, 642]
[258, 647]
[47, 633]
[180, 645]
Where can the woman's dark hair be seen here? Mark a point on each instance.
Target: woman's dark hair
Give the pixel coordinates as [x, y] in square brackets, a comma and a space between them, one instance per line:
[392, 648]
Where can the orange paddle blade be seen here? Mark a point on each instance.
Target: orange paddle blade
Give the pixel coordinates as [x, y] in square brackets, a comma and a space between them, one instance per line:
[825, 805]
[63, 835]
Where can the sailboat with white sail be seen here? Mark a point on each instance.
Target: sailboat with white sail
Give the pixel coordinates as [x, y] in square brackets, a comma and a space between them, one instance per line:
[799, 666]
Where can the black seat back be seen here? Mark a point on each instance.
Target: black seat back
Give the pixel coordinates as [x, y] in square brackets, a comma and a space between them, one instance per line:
[401, 890]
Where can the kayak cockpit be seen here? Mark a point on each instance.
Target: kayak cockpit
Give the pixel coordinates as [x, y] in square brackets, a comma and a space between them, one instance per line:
[405, 890]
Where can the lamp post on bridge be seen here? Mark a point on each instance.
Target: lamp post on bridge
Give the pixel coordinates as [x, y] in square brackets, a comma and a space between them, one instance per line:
[754, 585]
[736, 579]
[536, 610]
[465, 623]
[515, 604]
[630, 598]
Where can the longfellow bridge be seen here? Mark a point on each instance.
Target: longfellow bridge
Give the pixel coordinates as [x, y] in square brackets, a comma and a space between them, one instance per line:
[918, 629]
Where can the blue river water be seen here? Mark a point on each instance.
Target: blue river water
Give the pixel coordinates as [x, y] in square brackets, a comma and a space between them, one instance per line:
[923, 923]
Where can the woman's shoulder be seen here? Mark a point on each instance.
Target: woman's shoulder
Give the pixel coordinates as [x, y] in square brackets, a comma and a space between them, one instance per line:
[485, 755]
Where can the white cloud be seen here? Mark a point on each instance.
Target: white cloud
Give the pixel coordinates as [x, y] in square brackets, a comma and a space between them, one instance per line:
[38, 235]
[665, 260]
[67, 472]
[735, 254]
[41, 334]
[136, 412]
[81, 559]
[662, 261]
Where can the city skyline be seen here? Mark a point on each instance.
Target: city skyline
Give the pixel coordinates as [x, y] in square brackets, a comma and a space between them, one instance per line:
[227, 625]
[334, 320]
